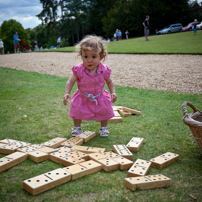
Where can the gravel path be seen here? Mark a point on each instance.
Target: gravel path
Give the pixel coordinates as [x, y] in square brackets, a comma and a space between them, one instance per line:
[178, 73]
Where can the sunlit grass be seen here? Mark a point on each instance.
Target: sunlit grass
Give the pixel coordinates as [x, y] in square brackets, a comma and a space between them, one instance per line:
[39, 97]
[178, 43]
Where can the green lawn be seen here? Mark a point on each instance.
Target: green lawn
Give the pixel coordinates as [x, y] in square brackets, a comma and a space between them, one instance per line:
[40, 97]
[178, 43]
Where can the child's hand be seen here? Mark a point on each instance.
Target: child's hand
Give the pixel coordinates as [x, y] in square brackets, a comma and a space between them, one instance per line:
[66, 96]
[114, 97]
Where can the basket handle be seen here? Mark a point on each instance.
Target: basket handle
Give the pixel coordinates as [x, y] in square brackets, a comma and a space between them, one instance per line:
[184, 109]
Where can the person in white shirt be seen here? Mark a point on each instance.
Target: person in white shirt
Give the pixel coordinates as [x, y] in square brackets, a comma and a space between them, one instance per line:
[1, 47]
[59, 42]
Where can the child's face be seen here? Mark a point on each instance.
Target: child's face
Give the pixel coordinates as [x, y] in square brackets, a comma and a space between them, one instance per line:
[91, 59]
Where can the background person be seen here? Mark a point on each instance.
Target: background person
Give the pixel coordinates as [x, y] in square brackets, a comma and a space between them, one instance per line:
[59, 42]
[146, 27]
[126, 33]
[117, 34]
[195, 28]
[16, 42]
[1, 47]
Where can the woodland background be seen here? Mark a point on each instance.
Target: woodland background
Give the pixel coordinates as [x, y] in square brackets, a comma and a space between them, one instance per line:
[73, 19]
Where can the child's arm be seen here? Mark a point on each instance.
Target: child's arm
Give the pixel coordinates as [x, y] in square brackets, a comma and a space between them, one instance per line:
[111, 87]
[70, 83]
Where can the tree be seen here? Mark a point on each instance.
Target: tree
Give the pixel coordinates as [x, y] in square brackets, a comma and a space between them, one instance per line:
[75, 18]
[49, 13]
[97, 11]
[116, 18]
[8, 29]
[130, 14]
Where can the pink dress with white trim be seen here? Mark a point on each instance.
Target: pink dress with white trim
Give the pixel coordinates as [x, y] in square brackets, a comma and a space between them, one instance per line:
[91, 100]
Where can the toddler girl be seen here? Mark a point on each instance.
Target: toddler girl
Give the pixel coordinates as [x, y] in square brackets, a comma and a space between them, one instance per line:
[91, 100]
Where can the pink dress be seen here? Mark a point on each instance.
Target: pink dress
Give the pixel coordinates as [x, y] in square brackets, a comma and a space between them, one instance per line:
[83, 105]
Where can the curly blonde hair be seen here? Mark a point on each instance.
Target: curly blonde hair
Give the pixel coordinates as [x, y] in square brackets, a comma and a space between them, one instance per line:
[92, 42]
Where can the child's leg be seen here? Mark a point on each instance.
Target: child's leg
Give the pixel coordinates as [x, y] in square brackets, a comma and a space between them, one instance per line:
[77, 127]
[104, 123]
[77, 122]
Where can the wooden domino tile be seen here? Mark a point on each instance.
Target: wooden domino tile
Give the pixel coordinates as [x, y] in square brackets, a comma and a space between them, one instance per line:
[111, 154]
[87, 135]
[79, 154]
[30, 148]
[65, 159]
[47, 150]
[135, 143]
[124, 113]
[116, 113]
[46, 181]
[8, 148]
[108, 164]
[164, 160]
[116, 108]
[147, 182]
[21, 144]
[54, 143]
[132, 111]
[139, 168]
[122, 150]
[116, 119]
[2, 144]
[64, 149]
[85, 168]
[87, 149]
[12, 160]
[124, 163]
[72, 142]
[68, 144]
[7, 141]
[38, 156]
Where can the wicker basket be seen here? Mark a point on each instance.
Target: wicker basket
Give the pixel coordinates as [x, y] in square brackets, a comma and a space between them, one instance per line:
[194, 121]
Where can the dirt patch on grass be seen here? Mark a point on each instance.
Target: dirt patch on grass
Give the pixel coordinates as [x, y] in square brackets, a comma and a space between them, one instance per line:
[178, 73]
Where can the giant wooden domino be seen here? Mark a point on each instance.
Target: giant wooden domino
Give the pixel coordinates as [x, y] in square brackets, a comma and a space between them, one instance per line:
[139, 168]
[72, 142]
[132, 111]
[65, 158]
[87, 135]
[135, 143]
[116, 118]
[147, 182]
[164, 160]
[124, 163]
[76, 157]
[30, 148]
[108, 164]
[12, 160]
[87, 149]
[38, 156]
[16, 142]
[124, 113]
[46, 181]
[81, 169]
[9, 146]
[54, 143]
[122, 150]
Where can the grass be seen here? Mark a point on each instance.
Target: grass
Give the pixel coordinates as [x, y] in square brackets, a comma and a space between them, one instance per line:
[178, 43]
[40, 98]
